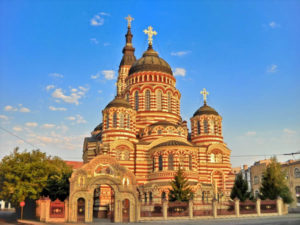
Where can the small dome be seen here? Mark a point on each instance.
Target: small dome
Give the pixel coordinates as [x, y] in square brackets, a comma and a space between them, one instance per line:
[118, 102]
[150, 62]
[206, 110]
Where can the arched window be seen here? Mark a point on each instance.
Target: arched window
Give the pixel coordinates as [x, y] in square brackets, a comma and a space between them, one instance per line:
[212, 127]
[212, 157]
[159, 100]
[256, 180]
[190, 162]
[145, 195]
[169, 102]
[128, 121]
[127, 97]
[160, 163]
[107, 120]
[206, 126]
[147, 100]
[163, 196]
[115, 120]
[150, 197]
[170, 162]
[203, 196]
[198, 127]
[297, 173]
[121, 120]
[136, 98]
[153, 164]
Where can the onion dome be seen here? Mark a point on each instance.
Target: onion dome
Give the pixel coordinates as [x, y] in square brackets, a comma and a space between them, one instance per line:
[118, 102]
[150, 61]
[206, 110]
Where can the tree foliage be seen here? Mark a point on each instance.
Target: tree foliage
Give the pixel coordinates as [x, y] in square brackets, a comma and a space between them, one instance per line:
[180, 189]
[274, 183]
[240, 189]
[25, 174]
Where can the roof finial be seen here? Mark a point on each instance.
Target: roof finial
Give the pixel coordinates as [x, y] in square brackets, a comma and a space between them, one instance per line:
[204, 93]
[150, 32]
[129, 19]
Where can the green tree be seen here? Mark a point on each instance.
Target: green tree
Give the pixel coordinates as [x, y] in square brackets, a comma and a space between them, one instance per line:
[24, 175]
[180, 189]
[274, 183]
[58, 180]
[240, 189]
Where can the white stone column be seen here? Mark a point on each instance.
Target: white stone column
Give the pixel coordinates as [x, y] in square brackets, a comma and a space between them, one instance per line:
[258, 207]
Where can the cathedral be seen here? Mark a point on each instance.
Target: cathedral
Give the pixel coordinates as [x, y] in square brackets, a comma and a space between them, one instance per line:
[143, 134]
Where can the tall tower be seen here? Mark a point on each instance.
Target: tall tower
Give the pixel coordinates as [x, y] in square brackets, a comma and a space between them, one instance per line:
[127, 60]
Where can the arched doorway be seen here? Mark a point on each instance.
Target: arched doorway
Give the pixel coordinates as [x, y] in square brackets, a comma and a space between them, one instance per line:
[126, 211]
[103, 203]
[80, 210]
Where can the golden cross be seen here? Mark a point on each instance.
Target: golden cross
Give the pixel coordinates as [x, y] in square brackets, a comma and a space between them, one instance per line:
[150, 32]
[204, 93]
[129, 19]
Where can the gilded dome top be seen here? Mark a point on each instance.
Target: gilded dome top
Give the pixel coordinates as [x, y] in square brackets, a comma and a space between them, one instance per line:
[206, 110]
[150, 61]
[118, 102]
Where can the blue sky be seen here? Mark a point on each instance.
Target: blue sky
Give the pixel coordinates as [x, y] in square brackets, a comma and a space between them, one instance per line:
[59, 62]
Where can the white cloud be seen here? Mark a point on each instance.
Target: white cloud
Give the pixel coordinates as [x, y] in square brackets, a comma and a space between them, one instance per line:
[14, 109]
[94, 41]
[99, 91]
[10, 108]
[106, 44]
[31, 124]
[98, 19]
[3, 117]
[251, 133]
[96, 76]
[48, 125]
[73, 98]
[52, 108]
[77, 119]
[272, 69]
[58, 75]
[17, 128]
[71, 118]
[73, 89]
[108, 74]
[288, 131]
[49, 87]
[84, 89]
[179, 72]
[24, 110]
[180, 53]
[274, 25]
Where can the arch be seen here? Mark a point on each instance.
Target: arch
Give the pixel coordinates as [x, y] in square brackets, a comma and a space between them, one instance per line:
[217, 177]
[96, 174]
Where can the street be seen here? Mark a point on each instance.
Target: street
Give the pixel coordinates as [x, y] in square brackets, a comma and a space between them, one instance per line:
[8, 217]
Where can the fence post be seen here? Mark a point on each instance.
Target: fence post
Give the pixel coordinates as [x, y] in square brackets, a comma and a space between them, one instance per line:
[258, 201]
[214, 206]
[237, 207]
[279, 206]
[165, 209]
[191, 209]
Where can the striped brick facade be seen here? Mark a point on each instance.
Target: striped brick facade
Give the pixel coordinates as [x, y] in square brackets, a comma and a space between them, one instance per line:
[148, 136]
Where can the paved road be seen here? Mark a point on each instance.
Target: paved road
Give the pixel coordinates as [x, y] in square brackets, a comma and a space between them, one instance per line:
[291, 219]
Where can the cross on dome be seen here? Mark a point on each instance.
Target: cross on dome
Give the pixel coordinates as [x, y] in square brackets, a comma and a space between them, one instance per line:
[150, 32]
[204, 93]
[129, 20]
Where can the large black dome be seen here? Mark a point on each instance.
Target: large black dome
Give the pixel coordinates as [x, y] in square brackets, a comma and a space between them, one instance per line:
[150, 61]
